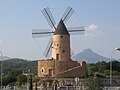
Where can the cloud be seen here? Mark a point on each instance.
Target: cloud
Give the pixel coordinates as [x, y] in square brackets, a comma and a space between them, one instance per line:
[92, 27]
[92, 30]
[116, 28]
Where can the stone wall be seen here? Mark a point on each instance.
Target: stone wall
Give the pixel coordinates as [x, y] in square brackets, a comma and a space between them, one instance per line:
[61, 68]
[44, 66]
[74, 69]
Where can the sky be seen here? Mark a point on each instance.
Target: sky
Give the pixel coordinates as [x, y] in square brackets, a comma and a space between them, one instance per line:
[101, 19]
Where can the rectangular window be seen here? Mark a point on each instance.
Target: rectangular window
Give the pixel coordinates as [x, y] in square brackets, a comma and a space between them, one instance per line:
[57, 56]
[50, 72]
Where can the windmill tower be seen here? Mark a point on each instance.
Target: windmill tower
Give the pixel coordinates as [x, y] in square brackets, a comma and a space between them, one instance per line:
[61, 43]
[61, 64]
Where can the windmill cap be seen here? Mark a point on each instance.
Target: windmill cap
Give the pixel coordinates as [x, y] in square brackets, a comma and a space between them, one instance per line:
[61, 29]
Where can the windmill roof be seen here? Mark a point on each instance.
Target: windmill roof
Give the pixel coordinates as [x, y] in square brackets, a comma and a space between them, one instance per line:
[61, 29]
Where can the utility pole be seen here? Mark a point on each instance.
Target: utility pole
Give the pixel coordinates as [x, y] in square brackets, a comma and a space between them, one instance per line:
[116, 49]
[1, 67]
[30, 81]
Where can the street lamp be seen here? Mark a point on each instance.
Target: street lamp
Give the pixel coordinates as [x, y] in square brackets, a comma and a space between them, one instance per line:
[116, 49]
[1, 67]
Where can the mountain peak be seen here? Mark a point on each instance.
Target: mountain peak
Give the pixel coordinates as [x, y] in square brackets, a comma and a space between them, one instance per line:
[89, 56]
[88, 50]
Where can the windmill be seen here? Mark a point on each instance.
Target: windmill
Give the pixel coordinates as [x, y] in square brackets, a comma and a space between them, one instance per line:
[59, 44]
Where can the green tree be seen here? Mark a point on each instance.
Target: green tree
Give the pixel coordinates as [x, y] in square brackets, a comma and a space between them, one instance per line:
[8, 79]
[116, 66]
[36, 79]
[21, 79]
[14, 73]
[115, 73]
[93, 83]
[101, 66]
[106, 72]
[5, 82]
[91, 68]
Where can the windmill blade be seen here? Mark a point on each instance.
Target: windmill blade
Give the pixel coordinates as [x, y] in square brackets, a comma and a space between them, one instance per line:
[76, 30]
[67, 14]
[49, 17]
[71, 52]
[48, 49]
[36, 33]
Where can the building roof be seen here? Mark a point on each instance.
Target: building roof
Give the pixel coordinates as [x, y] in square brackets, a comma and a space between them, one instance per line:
[61, 29]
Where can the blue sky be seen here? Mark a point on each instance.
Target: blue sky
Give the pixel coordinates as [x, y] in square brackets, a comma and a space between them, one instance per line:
[101, 19]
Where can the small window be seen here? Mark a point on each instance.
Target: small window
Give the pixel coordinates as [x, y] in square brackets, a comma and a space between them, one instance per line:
[63, 51]
[42, 70]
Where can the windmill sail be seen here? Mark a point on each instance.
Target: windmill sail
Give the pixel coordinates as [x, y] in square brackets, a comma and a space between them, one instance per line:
[48, 49]
[36, 33]
[76, 30]
[67, 14]
[71, 52]
[49, 17]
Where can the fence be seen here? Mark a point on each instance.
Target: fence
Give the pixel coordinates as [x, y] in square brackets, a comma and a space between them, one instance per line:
[58, 88]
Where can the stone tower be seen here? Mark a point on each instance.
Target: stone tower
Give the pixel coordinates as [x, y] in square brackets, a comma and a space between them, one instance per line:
[61, 43]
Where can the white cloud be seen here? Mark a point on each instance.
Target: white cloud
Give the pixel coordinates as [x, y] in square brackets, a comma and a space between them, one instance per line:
[116, 28]
[92, 30]
[92, 27]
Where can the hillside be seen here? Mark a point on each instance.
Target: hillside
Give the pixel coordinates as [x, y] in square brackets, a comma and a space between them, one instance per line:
[89, 56]
[19, 64]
